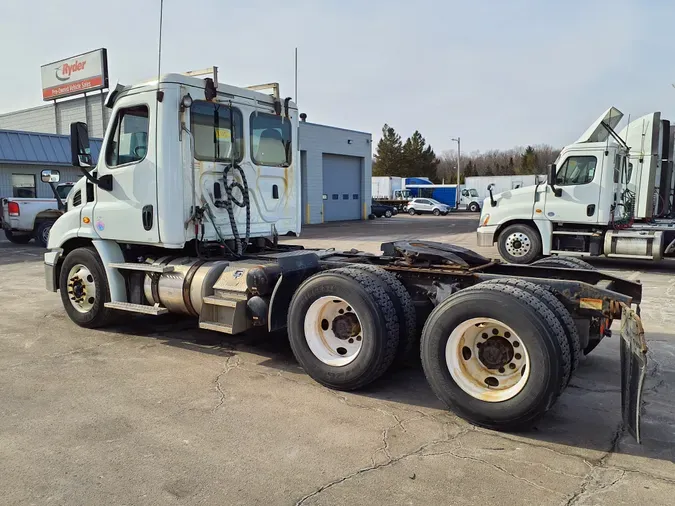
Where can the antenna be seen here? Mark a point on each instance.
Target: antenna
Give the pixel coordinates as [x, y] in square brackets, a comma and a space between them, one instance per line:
[296, 76]
[159, 48]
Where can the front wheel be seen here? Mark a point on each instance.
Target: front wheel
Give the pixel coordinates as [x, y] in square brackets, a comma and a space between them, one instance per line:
[17, 238]
[437, 212]
[519, 244]
[387, 214]
[474, 207]
[411, 212]
[84, 289]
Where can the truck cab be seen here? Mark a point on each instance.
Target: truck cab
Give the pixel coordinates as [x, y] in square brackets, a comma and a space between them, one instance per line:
[146, 190]
[588, 189]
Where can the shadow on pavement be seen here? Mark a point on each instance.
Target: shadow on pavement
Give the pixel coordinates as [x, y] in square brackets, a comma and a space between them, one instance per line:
[586, 416]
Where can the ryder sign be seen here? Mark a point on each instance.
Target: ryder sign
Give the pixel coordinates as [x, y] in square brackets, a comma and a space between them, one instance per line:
[79, 74]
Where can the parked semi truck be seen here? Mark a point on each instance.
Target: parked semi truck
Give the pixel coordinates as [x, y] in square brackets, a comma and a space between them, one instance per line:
[608, 194]
[389, 190]
[182, 212]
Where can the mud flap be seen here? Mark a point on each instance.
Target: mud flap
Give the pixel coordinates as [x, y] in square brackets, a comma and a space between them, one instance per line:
[633, 369]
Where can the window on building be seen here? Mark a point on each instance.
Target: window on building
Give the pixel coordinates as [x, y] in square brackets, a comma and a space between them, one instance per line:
[576, 170]
[23, 186]
[129, 140]
[270, 140]
[212, 126]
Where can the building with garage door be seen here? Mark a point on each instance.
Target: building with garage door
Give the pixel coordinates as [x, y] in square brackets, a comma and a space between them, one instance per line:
[336, 164]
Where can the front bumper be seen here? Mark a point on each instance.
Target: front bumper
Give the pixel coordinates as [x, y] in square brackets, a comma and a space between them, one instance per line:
[486, 235]
[633, 369]
[51, 261]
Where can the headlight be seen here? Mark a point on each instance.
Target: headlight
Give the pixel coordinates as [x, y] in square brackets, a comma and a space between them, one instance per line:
[485, 220]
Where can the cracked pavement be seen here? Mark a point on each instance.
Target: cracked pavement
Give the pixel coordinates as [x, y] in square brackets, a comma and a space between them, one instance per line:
[155, 411]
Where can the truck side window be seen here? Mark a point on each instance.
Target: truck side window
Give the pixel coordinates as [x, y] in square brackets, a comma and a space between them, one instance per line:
[270, 140]
[129, 140]
[576, 170]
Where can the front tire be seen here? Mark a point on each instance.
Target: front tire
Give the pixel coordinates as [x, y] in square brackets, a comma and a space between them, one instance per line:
[474, 207]
[84, 289]
[519, 244]
[17, 238]
[437, 212]
[343, 328]
[387, 214]
[493, 356]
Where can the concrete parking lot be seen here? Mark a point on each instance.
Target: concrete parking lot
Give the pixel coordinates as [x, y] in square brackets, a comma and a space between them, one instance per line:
[156, 412]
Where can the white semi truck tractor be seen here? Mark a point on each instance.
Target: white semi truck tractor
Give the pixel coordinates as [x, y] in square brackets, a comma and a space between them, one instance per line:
[181, 214]
[608, 195]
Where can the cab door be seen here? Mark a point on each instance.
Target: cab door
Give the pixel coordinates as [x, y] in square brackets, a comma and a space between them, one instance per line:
[128, 211]
[578, 178]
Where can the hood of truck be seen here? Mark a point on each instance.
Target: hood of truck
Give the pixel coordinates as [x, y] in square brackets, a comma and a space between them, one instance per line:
[511, 204]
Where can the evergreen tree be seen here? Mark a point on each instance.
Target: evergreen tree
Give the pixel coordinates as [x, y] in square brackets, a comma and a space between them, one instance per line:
[419, 159]
[389, 156]
[528, 163]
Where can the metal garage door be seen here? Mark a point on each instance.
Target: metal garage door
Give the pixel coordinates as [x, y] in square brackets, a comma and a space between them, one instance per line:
[341, 188]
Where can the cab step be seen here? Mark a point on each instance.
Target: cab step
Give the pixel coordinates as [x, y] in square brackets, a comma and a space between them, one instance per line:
[143, 267]
[217, 301]
[217, 327]
[155, 310]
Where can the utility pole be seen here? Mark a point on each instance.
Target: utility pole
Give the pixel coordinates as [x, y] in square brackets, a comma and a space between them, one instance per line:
[459, 161]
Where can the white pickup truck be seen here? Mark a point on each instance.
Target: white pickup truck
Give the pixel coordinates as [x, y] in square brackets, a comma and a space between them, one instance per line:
[25, 219]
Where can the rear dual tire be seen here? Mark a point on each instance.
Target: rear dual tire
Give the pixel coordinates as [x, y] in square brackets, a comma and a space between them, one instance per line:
[525, 361]
[598, 325]
[347, 326]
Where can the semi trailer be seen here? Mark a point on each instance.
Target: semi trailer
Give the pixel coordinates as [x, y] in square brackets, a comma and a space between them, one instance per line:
[182, 214]
[609, 194]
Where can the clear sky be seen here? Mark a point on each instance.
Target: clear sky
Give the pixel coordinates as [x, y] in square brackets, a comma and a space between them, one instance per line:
[497, 73]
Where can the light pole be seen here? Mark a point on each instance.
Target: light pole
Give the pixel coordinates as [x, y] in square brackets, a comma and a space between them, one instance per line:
[459, 161]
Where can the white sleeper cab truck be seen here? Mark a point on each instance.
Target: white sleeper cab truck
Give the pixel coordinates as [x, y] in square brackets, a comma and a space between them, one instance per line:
[181, 214]
[469, 200]
[608, 194]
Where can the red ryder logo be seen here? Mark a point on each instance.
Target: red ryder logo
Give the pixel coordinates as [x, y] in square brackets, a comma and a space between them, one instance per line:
[64, 72]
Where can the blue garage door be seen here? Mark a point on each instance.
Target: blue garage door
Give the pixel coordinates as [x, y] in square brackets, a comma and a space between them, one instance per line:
[341, 188]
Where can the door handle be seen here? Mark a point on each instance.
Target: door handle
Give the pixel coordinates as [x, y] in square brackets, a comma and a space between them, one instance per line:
[590, 209]
[146, 215]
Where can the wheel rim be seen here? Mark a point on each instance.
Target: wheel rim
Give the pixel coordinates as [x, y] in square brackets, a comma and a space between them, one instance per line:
[333, 331]
[518, 244]
[45, 235]
[411, 211]
[436, 212]
[81, 288]
[388, 214]
[487, 360]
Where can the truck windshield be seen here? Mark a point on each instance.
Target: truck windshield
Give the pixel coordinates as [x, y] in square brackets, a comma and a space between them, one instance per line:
[270, 139]
[212, 126]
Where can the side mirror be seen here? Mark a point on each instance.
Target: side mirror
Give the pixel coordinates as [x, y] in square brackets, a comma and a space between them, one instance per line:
[552, 174]
[79, 145]
[50, 176]
[493, 202]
